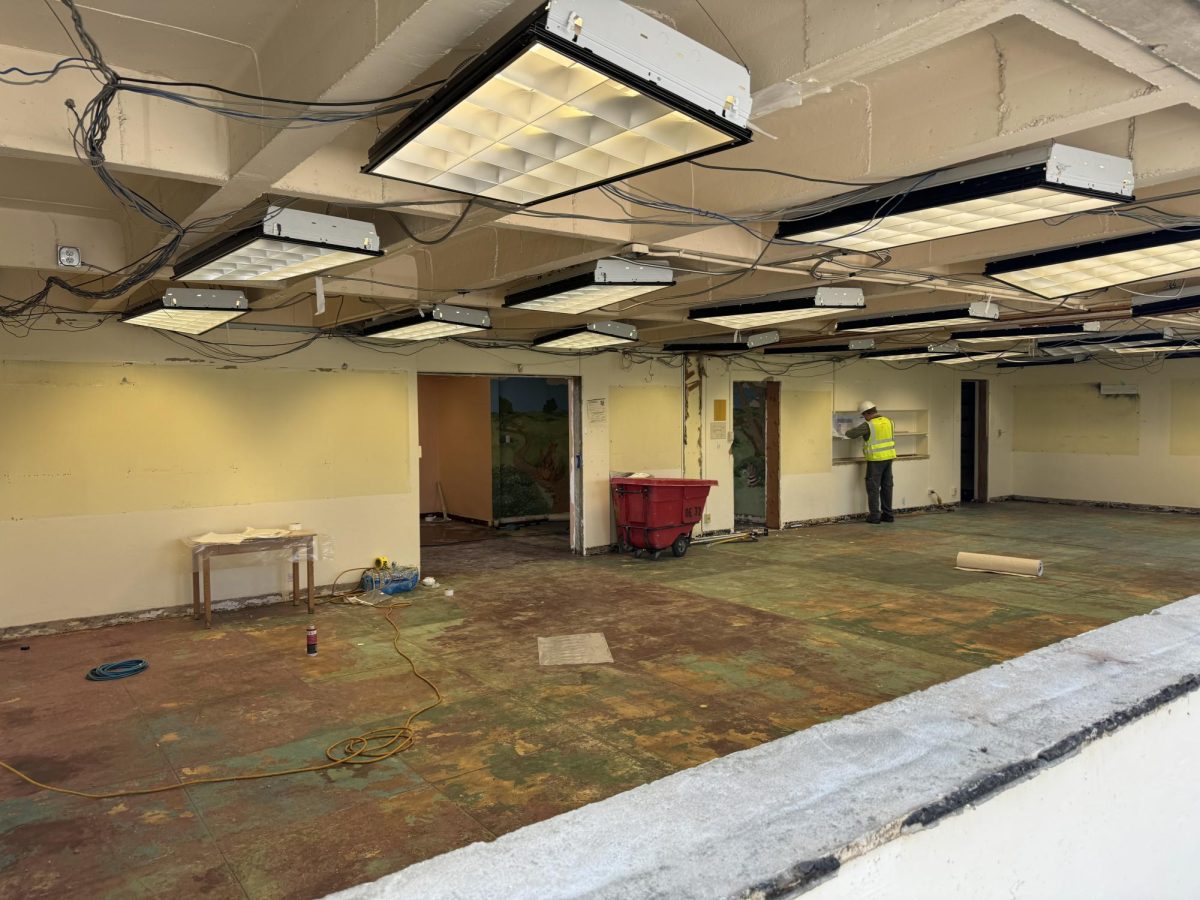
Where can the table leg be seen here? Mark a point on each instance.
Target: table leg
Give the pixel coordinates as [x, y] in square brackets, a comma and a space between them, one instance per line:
[206, 577]
[195, 588]
[295, 578]
[312, 549]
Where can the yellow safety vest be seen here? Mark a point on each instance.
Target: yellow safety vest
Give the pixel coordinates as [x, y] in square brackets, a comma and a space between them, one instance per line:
[880, 445]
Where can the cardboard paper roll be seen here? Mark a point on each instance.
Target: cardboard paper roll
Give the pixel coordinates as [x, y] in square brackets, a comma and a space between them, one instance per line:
[1003, 565]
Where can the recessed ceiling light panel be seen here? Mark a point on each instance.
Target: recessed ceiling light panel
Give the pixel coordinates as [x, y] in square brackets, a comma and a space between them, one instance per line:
[1034, 184]
[1098, 265]
[581, 93]
[287, 243]
[189, 311]
[444, 321]
[592, 286]
[776, 309]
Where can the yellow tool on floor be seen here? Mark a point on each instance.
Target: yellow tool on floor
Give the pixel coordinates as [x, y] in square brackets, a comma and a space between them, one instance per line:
[369, 747]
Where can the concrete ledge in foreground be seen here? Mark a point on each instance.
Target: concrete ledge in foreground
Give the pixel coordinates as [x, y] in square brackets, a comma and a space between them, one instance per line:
[769, 821]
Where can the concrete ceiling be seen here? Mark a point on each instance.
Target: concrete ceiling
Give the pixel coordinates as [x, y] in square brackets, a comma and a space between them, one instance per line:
[850, 90]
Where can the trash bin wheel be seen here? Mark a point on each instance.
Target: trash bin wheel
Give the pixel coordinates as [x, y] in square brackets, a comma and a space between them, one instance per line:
[680, 547]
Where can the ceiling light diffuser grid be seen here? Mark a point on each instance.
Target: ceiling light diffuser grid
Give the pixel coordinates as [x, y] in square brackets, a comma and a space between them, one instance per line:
[781, 308]
[190, 312]
[536, 117]
[594, 336]
[444, 321]
[1080, 268]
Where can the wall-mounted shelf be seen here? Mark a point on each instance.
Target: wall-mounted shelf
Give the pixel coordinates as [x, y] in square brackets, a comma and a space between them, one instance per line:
[911, 435]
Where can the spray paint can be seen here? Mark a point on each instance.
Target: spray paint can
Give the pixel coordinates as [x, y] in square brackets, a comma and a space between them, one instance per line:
[312, 640]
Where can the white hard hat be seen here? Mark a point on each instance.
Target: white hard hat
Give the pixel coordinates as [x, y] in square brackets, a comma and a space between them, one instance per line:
[865, 405]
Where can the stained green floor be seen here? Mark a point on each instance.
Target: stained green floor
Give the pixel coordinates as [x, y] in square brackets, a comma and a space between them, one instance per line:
[732, 646]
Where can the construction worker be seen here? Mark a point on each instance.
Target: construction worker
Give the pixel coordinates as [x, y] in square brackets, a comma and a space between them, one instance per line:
[879, 447]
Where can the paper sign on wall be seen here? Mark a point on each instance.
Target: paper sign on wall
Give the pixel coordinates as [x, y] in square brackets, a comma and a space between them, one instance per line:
[718, 431]
[597, 411]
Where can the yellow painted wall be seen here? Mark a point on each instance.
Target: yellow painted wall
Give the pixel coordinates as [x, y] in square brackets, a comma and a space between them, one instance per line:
[1185, 417]
[645, 428]
[83, 439]
[805, 426]
[1074, 418]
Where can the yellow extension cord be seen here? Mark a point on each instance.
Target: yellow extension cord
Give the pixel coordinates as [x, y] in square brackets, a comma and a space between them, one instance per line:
[372, 746]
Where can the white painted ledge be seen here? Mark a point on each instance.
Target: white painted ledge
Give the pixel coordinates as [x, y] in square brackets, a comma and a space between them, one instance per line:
[773, 820]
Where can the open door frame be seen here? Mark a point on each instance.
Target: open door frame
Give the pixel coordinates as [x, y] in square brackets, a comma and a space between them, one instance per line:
[773, 432]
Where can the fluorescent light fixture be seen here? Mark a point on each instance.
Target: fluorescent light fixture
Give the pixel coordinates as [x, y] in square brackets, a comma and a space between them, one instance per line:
[1164, 347]
[1026, 362]
[902, 353]
[775, 309]
[825, 349]
[964, 358]
[287, 243]
[188, 311]
[1188, 355]
[1167, 303]
[586, 288]
[592, 336]
[581, 93]
[1041, 332]
[733, 343]
[443, 322]
[1034, 184]
[1076, 269]
[926, 319]
[1109, 341]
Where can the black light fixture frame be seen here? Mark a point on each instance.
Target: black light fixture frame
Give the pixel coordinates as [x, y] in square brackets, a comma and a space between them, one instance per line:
[801, 301]
[582, 329]
[917, 198]
[529, 31]
[916, 319]
[1021, 332]
[572, 283]
[996, 269]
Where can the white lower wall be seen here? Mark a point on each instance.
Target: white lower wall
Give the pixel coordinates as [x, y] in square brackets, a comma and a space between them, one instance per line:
[1115, 822]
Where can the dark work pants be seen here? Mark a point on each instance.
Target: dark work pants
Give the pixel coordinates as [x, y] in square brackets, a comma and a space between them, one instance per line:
[879, 489]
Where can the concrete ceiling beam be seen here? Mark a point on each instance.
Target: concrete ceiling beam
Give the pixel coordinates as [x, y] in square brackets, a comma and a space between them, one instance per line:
[429, 31]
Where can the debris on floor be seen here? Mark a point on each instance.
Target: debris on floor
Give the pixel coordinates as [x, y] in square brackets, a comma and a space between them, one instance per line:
[573, 649]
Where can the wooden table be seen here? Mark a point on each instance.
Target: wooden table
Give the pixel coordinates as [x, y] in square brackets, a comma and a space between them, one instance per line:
[299, 542]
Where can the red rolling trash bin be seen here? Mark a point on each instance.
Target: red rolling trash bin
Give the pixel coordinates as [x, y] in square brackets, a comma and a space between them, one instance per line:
[656, 513]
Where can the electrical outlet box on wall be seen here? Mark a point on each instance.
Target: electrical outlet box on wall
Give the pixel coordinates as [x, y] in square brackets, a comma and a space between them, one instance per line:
[1119, 390]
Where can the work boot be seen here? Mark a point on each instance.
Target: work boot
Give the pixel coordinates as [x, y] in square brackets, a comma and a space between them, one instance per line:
[887, 518]
[873, 521]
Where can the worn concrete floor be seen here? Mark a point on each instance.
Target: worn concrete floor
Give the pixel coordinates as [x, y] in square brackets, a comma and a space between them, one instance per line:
[731, 646]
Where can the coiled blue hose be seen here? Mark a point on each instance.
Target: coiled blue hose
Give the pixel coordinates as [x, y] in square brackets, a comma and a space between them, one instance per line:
[114, 670]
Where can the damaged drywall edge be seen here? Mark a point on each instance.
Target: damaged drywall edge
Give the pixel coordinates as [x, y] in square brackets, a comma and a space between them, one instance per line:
[91, 623]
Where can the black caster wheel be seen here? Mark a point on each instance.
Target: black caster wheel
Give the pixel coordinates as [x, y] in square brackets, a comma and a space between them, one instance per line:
[657, 554]
[625, 547]
[638, 554]
[680, 547]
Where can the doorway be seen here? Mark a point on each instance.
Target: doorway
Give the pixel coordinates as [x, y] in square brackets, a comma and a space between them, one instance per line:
[755, 453]
[499, 457]
[973, 442]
